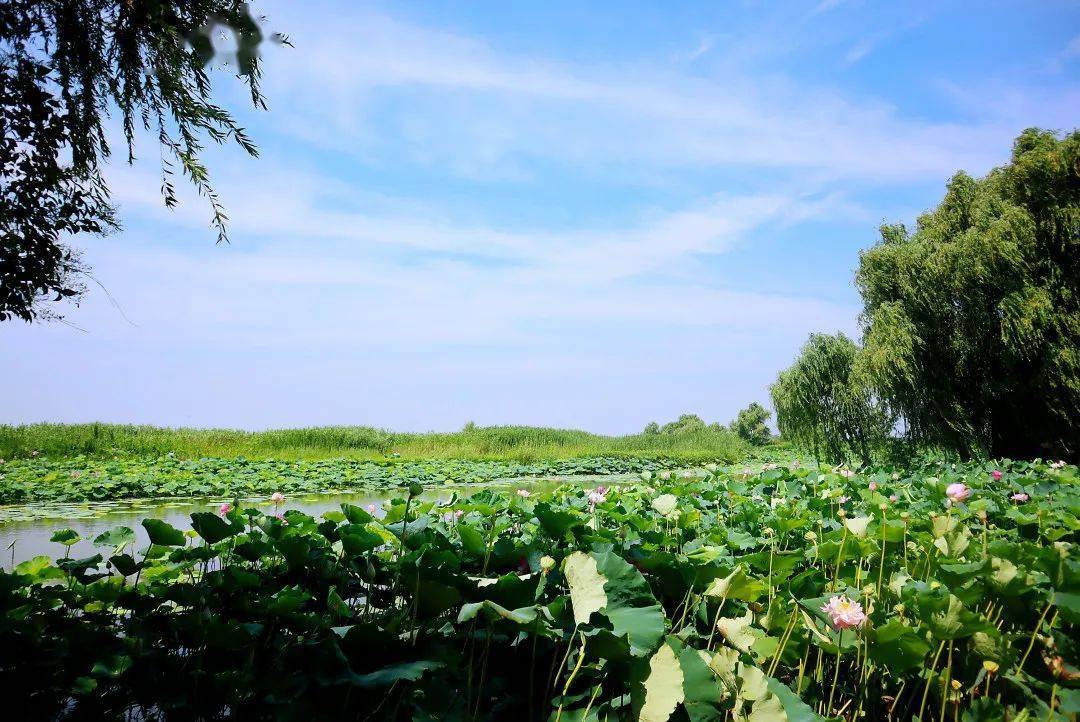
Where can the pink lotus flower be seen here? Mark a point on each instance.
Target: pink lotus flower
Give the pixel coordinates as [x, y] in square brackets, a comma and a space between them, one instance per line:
[844, 499]
[459, 513]
[996, 474]
[523, 493]
[894, 498]
[595, 497]
[957, 492]
[844, 613]
[847, 473]
[281, 517]
[873, 486]
[1020, 497]
[277, 497]
[371, 508]
[224, 508]
[601, 489]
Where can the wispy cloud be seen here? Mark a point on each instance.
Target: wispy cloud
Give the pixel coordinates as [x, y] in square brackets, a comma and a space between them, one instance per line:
[861, 49]
[827, 5]
[496, 109]
[283, 205]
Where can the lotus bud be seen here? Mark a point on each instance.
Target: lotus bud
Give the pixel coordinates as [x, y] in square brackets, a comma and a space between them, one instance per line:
[546, 563]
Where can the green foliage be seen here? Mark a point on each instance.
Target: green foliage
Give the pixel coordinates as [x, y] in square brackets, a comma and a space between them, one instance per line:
[517, 443]
[80, 479]
[707, 606]
[64, 68]
[823, 405]
[750, 424]
[685, 424]
[972, 322]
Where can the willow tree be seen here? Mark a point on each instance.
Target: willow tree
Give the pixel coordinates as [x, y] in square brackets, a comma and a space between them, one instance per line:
[822, 404]
[972, 321]
[65, 66]
[749, 425]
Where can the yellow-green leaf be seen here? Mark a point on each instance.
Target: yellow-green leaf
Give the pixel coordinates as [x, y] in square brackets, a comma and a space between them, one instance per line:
[664, 686]
[586, 586]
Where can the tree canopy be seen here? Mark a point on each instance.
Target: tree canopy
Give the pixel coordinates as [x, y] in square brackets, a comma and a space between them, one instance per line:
[65, 67]
[750, 424]
[823, 405]
[972, 322]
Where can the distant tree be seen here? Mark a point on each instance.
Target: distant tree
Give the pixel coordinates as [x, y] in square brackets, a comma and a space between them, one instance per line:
[687, 423]
[823, 405]
[469, 426]
[750, 424]
[651, 428]
[972, 322]
[65, 66]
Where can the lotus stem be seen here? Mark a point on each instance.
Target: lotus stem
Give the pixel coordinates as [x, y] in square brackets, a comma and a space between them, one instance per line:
[881, 565]
[946, 687]
[1053, 700]
[839, 557]
[570, 679]
[836, 673]
[1034, 633]
[929, 676]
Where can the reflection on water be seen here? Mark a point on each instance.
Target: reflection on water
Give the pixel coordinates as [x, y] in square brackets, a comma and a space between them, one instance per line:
[25, 529]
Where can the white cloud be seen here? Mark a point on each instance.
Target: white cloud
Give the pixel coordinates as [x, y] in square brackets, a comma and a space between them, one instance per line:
[279, 208]
[486, 110]
[1072, 49]
[827, 5]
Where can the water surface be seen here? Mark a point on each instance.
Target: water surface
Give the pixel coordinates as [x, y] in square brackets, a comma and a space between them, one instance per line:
[25, 529]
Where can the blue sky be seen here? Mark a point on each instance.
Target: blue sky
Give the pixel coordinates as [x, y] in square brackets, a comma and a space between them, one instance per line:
[574, 214]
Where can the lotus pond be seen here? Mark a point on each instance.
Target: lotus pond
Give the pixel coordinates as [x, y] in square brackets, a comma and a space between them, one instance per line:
[947, 592]
[26, 530]
[71, 479]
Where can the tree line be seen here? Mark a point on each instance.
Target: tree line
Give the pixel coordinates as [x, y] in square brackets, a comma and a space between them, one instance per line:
[970, 325]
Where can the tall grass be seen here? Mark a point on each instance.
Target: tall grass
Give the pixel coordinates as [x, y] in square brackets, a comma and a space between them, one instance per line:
[515, 443]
